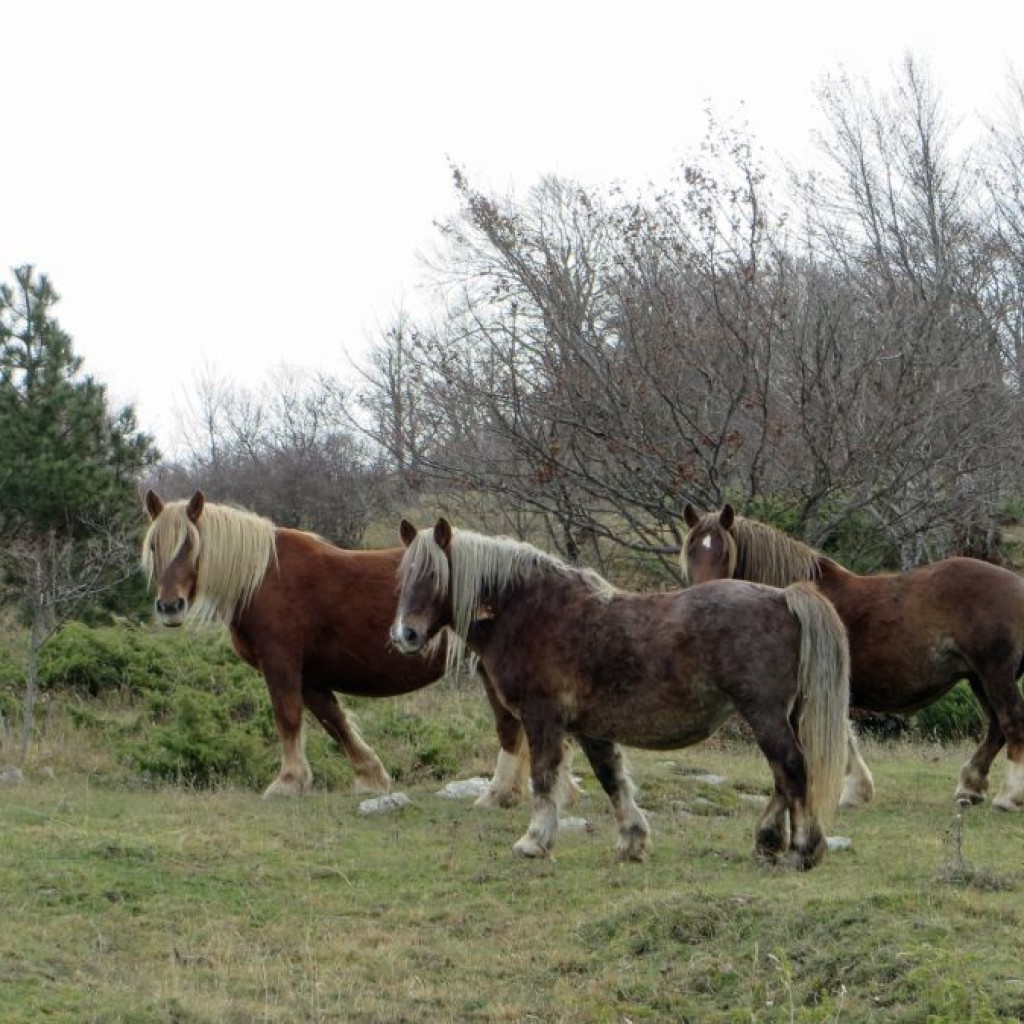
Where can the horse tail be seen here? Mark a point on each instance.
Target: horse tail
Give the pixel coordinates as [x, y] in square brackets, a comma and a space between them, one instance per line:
[823, 696]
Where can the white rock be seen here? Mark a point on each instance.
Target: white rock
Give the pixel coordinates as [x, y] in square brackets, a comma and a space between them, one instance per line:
[465, 789]
[708, 780]
[757, 799]
[384, 804]
[575, 825]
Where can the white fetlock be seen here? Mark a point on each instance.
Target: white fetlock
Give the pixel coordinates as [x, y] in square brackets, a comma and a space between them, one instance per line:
[1012, 797]
[965, 795]
[284, 789]
[497, 798]
[527, 846]
[855, 794]
[372, 784]
[634, 845]
[1004, 802]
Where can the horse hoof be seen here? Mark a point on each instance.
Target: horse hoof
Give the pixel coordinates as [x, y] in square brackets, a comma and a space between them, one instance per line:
[769, 844]
[527, 846]
[373, 785]
[968, 797]
[631, 856]
[633, 846]
[854, 800]
[803, 861]
[497, 798]
[283, 790]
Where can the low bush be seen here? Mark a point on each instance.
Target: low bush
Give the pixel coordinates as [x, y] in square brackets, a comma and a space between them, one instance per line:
[180, 706]
[957, 716]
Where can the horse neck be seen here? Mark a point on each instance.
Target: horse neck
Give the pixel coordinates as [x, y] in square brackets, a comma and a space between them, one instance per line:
[490, 576]
[832, 575]
[232, 568]
[766, 555]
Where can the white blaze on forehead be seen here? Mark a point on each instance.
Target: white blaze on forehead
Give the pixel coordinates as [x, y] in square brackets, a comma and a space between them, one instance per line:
[706, 542]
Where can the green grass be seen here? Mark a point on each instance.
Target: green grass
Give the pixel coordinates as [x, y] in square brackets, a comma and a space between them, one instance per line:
[137, 905]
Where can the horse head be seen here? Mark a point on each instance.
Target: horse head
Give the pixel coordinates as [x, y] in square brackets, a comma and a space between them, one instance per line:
[424, 594]
[709, 549]
[170, 555]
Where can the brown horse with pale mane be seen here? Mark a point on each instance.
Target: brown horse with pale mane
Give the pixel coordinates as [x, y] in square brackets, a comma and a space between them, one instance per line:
[570, 654]
[913, 635]
[312, 618]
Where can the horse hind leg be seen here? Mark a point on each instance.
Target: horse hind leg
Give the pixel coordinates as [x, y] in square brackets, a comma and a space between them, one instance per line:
[609, 766]
[771, 837]
[1010, 713]
[807, 845]
[859, 784]
[371, 775]
[973, 781]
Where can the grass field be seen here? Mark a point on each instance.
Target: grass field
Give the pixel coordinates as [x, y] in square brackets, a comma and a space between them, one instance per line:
[137, 905]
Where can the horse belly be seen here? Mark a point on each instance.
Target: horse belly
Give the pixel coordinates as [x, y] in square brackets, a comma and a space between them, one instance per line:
[657, 723]
[904, 675]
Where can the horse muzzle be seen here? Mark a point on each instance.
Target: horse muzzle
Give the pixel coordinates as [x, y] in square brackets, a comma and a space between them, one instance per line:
[407, 639]
[171, 613]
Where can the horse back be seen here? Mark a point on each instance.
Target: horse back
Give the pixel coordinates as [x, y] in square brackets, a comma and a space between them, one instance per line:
[914, 634]
[648, 669]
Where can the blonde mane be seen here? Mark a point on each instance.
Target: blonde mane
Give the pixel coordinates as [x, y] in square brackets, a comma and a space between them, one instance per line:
[481, 569]
[232, 550]
[767, 555]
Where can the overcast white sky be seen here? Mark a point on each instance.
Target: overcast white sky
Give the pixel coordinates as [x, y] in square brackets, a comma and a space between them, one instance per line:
[227, 186]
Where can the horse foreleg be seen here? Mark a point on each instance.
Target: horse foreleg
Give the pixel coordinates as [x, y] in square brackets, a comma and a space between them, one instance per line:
[295, 775]
[973, 781]
[1010, 713]
[859, 785]
[547, 751]
[513, 767]
[512, 770]
[371, 775]
[609, 766]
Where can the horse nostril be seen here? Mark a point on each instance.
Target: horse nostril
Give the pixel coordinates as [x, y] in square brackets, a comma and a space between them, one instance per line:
[170, 607]
[404, 636]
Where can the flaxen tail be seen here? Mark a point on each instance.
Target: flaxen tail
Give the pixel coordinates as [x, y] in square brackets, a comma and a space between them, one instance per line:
[823, 688]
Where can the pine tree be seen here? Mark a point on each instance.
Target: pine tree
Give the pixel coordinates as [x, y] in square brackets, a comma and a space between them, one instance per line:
[65, 460]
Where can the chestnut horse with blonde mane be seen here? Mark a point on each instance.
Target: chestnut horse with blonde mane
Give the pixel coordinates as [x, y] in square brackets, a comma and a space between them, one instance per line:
[312, 618]
[913, 635]
[570, 654]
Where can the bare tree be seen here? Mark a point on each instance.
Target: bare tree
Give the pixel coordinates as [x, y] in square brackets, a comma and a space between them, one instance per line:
[848, 364]
[51, 578]
[286, 450]
[924, 411]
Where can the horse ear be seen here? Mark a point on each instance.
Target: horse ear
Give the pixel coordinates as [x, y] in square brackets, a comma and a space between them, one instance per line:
[726, 517]
[407, 531]
[443, 534]
[691, 515]
[154, 506]
[195, 506]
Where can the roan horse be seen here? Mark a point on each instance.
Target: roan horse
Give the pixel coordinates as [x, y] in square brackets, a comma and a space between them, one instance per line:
[312, 618]
[570, 654]
[913, 635]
